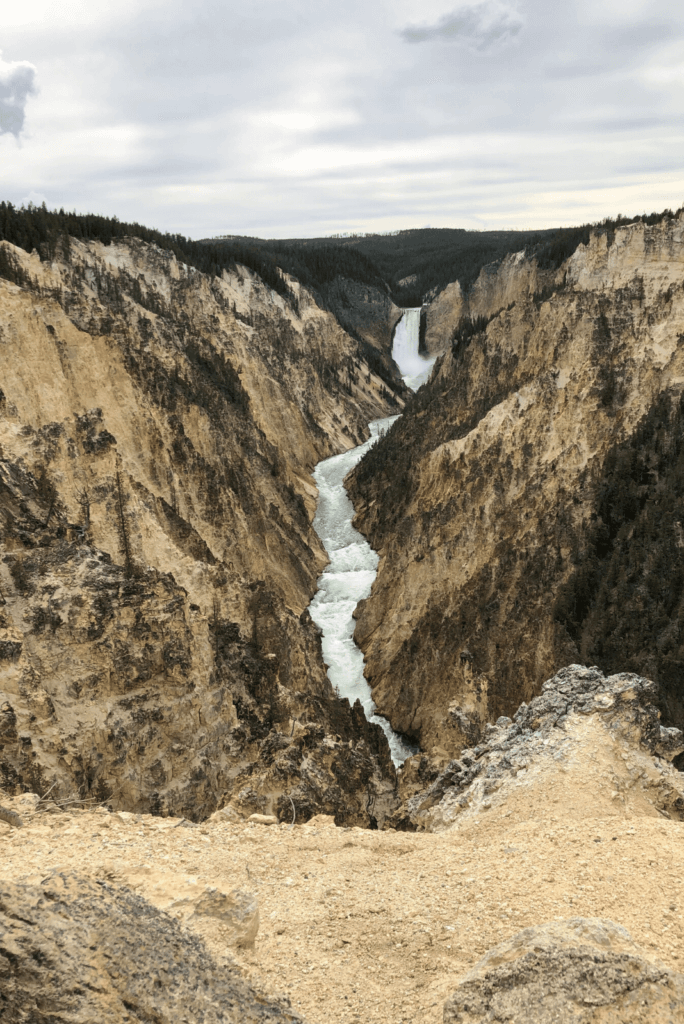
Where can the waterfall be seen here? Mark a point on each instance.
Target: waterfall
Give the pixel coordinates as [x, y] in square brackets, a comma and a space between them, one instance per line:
[415, 368]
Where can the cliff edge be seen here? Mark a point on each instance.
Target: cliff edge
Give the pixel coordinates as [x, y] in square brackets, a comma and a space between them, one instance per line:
[587, 746]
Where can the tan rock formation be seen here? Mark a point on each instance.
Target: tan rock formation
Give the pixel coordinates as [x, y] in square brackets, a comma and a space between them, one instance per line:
[235, 914]
[569, 972]
[158, 428]
[11, 817]
[499, 286]
[443, 315]
[82, 951]
[591, 745]
[481, 493]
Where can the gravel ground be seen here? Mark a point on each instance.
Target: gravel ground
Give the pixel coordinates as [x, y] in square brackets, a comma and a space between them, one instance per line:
[378, 926]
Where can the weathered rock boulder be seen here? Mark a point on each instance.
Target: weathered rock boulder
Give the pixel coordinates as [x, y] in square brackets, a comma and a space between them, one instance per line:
[235, 914]
[84, 952]
[11, 817]
[588, 746]
[581, 971]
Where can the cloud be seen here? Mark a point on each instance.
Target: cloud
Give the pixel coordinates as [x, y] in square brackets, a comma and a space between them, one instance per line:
[308, 117]
[480, 25]
[17, 83]
[35, 198]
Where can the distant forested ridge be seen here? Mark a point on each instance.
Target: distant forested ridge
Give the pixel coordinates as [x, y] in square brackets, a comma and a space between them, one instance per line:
[430, 258]
[48, 231]
[407, 266]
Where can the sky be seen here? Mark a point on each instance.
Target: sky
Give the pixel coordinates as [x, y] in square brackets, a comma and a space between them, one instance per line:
[295, 118]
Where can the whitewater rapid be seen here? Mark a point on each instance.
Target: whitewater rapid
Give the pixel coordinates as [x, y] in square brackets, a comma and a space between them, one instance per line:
[353, 563]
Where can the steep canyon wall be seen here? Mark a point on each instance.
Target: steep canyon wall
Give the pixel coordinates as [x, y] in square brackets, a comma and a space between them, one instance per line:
[158, 428]
[498, 286]
[485, 499]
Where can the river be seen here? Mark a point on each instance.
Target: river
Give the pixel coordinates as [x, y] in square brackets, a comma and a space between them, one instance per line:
[353, 563]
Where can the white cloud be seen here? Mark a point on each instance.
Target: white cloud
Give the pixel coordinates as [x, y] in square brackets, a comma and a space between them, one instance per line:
[298, 120]
[305, 117]
[35, 198]
[480, 25]
[17, 83]
[666, 68]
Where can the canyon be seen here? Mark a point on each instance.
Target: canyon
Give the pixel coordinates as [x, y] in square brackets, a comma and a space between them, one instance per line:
[185, 755]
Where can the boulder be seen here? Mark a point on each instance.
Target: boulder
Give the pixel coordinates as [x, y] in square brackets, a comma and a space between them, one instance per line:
[11, 817]
[15, 810]
[236, 913]
[322, 821]
[89, 953]
[226, 815]
[263, 819]
[580, 971]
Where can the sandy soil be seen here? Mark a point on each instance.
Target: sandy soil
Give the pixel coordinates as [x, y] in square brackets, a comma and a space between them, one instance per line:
[379, 926]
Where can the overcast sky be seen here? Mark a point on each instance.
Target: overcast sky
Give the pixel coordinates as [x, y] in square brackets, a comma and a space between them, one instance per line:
[304, 117]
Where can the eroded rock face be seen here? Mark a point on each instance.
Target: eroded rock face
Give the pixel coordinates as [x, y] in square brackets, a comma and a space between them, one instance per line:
[482, 498]
[83, 951]
[158, 428]
[588, 746]
[366, 312]
[580, 971]
[499, 286]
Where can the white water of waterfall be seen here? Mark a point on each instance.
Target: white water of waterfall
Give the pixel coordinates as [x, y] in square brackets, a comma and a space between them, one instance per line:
[415, 368]
[353, 563]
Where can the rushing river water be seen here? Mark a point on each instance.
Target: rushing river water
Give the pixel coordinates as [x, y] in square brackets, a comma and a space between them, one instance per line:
[353, 563]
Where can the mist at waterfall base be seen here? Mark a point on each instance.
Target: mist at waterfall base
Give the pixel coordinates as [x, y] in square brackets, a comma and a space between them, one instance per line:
[353, 563]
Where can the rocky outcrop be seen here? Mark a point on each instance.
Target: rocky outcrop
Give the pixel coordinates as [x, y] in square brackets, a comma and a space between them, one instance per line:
[481, 498]
[158, 428]
[442, 317]
[84, 951]
[580, 971]
[369, 314]
[590, 746]
[499, 286]
[11, 817]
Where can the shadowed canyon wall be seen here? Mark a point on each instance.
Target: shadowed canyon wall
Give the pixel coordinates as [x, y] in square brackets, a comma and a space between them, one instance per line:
[158, 428]
[485, 498]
